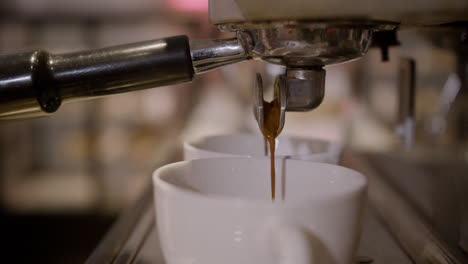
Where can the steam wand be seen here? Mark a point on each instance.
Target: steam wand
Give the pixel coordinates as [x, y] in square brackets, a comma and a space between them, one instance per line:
[37, 83]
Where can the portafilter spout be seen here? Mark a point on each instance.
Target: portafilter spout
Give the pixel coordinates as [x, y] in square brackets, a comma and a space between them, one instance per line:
[297, 90]
[304, 48]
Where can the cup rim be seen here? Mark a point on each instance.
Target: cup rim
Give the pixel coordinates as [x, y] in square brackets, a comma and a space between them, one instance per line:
[334, 146]
[158, 182]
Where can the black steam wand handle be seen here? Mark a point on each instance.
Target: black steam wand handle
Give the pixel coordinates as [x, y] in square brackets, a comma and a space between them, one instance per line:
[37, 83]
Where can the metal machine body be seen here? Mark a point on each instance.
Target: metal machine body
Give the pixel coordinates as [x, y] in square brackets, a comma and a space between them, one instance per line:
[431, 12]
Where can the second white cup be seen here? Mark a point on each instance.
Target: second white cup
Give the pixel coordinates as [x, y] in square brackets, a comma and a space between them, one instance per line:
[250, 145]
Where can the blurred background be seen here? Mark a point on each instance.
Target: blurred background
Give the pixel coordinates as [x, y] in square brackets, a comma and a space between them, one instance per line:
[64, 178]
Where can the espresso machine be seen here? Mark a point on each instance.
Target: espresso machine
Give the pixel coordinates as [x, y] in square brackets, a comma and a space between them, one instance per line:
[302, 36]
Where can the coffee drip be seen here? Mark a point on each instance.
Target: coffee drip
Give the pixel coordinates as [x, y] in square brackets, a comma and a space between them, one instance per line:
[271, 128]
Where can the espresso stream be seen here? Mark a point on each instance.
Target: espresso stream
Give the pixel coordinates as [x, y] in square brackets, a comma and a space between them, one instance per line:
[271, 123]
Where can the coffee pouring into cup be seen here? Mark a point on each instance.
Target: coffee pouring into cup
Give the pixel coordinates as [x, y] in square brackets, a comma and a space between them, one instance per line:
[303, 36]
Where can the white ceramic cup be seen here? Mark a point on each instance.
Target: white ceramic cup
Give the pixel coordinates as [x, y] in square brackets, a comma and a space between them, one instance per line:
[219, 210]
[251, 145]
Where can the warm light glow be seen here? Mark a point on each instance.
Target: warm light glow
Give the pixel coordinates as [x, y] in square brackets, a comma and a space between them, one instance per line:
[198, 6]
